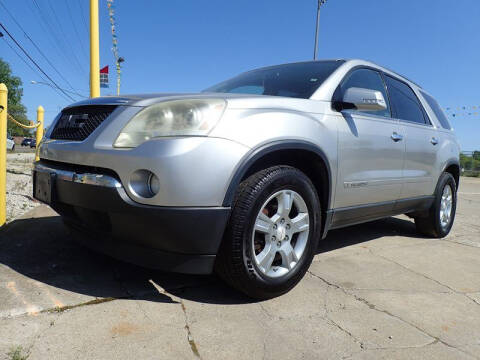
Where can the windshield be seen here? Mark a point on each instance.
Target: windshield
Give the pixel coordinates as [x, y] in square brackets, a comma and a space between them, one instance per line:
[298, 80]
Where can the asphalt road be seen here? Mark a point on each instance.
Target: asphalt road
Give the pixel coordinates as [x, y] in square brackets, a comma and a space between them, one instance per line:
[374, 291]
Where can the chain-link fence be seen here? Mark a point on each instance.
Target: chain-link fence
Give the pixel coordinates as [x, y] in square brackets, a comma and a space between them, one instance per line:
[470, 163]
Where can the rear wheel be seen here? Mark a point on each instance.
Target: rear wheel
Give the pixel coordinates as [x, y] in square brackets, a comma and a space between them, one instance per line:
[272, 234]
[438, 221]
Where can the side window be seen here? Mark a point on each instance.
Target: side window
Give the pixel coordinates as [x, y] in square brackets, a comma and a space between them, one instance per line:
[437, 110]
[249, 89]
[367, 79]
[404, 102]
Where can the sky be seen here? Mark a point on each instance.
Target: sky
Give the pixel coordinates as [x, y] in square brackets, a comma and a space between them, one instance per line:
[188, 45]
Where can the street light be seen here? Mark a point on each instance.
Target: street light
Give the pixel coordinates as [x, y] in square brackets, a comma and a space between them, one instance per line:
[315, 50]
[54, 87]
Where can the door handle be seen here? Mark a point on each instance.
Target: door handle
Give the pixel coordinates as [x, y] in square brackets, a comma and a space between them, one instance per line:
[396, 137]
[434, 141]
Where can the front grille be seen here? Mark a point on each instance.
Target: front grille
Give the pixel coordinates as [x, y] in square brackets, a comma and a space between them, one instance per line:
[79, 122]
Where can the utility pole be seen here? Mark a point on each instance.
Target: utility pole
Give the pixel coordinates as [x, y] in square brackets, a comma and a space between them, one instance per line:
[119, 72]
[94, 51]
[315, 50]
[118, 85]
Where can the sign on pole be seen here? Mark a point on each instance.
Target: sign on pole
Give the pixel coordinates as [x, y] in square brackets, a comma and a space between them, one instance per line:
[104, 77]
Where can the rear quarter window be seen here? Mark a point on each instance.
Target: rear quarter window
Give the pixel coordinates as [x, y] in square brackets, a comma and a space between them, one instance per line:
[437, 110]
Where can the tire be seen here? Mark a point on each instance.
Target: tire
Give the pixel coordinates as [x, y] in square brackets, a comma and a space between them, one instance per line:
[239, 258]
[432, 224]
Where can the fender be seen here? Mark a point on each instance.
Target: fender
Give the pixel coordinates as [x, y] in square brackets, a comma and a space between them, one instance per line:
[450, 162]
[253, 155]
[446, 165]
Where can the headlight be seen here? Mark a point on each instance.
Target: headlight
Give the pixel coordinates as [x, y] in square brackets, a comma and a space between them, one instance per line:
[195, 117]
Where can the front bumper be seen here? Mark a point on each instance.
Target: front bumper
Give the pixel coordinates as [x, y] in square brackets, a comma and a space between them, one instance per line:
[192, 171]
[94, 203]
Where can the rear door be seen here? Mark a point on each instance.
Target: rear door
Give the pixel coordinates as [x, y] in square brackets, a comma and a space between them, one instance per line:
[370, 150]
[421, 141]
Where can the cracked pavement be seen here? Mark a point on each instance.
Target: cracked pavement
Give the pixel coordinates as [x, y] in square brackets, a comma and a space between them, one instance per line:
[374, 291]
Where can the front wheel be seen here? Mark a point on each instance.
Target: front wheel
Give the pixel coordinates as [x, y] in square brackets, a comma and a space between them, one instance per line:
[438, 221]
[272, 234]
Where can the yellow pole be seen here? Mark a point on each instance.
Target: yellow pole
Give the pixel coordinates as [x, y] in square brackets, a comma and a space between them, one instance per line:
[3, 154]
[94, 51]
[40, 113]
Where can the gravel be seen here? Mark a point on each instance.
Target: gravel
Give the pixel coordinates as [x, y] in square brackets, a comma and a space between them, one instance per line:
[19, 184]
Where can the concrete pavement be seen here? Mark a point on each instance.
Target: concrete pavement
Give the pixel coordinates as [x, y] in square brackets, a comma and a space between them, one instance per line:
[374, 291]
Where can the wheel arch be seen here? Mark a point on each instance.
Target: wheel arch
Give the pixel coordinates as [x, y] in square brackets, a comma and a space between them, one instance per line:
[300, 154]
[453, 167]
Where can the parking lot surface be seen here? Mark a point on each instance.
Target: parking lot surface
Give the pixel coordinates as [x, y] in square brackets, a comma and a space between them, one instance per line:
[374, 291]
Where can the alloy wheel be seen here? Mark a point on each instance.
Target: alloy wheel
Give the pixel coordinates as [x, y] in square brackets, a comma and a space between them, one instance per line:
[280, 234]
[446, 206]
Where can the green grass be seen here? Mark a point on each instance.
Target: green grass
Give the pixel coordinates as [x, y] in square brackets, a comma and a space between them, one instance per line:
[17, 353]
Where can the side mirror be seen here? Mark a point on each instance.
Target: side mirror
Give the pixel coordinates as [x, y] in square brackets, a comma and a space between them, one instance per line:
[363, 99]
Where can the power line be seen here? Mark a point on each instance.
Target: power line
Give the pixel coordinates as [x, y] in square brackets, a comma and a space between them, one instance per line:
[57, 19]
[34, 62]
[82, 12]
[48, 84]
[36, 47]
[58, 41]
[31, 67]
[75, 29]
[52, 36]
[20, 56]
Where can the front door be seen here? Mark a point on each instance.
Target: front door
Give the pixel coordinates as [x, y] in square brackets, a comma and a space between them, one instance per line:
[370, 150]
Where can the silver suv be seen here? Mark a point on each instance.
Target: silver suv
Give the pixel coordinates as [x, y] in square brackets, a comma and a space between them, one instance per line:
[248, 176]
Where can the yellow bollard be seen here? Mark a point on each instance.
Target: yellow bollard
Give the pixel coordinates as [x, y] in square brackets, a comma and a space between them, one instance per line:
[3, 154]
[40, 114]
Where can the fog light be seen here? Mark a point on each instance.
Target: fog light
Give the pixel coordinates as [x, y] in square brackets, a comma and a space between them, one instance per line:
[144, 183]
[154, 184]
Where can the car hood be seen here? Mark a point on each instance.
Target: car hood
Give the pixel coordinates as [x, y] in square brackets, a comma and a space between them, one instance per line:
[148, 99]
[235, 101]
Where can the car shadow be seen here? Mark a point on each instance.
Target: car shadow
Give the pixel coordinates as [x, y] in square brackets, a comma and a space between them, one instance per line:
[361, 233]
[42, 249]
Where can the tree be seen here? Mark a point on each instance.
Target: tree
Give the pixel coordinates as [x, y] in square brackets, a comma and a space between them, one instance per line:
[14, 102]
[465, 162]
[470, 164]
